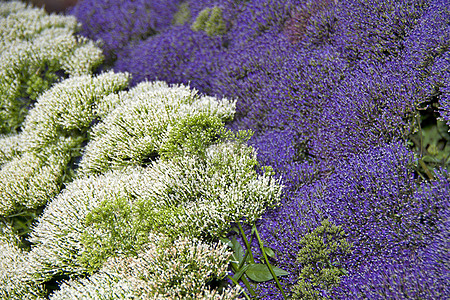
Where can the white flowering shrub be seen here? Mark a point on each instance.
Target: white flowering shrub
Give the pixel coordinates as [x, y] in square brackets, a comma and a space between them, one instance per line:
[15, 282]
[164, 269]
[9, 147]
[154, 120]
[135, 186]
[98, 216]
[120, 198]
[35, 161]
[36, 49]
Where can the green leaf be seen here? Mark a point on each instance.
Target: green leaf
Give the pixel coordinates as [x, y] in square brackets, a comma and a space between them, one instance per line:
[238, 250]
[261, 272]
[269, 252]
[241, 272]
[235, 229]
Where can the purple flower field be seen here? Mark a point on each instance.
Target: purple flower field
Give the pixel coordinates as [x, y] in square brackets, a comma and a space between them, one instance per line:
[349, 102]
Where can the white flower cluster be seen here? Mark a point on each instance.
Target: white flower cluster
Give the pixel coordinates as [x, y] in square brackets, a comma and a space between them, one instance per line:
[33, 47]
[9, 147]
[142, 122]
[164, 269]
[101, 215]
[116, 207]
[159, 181]
[33, 162]
[14, 279]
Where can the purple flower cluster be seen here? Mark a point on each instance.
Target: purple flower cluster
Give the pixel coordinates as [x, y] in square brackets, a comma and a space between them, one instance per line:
[119, 23]
[333, 91]
[179, 55]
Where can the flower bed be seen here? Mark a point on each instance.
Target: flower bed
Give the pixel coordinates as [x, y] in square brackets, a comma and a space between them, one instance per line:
[145, 176]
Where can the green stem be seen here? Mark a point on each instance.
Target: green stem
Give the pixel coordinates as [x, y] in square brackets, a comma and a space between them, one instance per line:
[420, 136]
[425, 168]
[261, 245]
[246, 242]
[236, 283]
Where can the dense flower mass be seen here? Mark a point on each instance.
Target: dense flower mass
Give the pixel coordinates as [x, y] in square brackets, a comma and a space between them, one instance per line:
[117, 24]
[116, 190]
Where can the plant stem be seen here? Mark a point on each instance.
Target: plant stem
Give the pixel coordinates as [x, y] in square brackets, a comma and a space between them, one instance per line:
[246, 242]
[261, 245]
[236, 283]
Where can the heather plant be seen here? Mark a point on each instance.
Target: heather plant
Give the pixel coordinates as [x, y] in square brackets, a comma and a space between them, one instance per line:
[312, 19]
[414, 273]
[375, 30]
[375, 104]
[36, 51]
[178, 55]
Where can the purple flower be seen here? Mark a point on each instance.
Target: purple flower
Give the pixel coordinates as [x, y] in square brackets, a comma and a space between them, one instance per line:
[178, 55]
[120, 23]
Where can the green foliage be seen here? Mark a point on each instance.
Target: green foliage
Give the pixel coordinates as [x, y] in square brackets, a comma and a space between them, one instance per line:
[319, 258]
[118, 230]
[192, 135]
[244, 265]
[183, 15]
[431, 144]
[210, 20]
[200, 21]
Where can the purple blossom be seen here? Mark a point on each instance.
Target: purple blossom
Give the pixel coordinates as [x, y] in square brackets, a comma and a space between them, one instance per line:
[179, 55]
[412, 273]
[375, 29]
[120, 23]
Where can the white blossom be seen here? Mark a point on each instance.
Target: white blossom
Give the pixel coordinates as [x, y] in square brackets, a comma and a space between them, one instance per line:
[33, 47]
[164, 269]
[142, 120]
[15, 282]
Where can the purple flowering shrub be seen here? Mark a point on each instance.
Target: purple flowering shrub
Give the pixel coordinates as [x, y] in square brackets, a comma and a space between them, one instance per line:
[408, 271]
[179, 55]
[121, 23]
[334, 92]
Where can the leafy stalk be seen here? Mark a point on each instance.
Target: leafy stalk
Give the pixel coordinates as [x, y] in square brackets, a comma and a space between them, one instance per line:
[261, 245]
[247, 244]
[244, 280]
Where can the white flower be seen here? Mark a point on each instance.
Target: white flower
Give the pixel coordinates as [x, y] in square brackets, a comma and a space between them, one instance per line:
[33, 46]
[164, 269]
